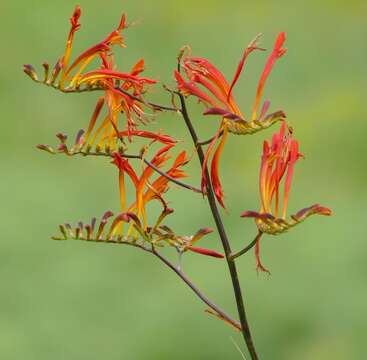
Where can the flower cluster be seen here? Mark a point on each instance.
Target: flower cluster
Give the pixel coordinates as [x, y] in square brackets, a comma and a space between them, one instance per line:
[121, 110]
[123, 94]
[277, 163]
[206, 83]
[95, 70]
[210, 87]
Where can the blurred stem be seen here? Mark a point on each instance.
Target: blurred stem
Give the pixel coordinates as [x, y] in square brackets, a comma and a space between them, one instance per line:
[147, 162]
[218, 311]
[202, 297]
[248, 247]
[245, 329]
[153, 105]
[172, 179]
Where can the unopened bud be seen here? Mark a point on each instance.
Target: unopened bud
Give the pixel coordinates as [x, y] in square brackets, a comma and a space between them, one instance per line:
[46, 148]
[62, 148]
[46, 68]
[79, 138]
[56, 71]
[201, 233]
[88, 231]
[31, 72]
[63, 231]
[62, 137]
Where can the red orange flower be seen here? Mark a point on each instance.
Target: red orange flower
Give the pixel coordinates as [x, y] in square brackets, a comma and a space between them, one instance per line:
[123, 91]
[117, 101]
[146, 191]
[277, 163]
[210, 87]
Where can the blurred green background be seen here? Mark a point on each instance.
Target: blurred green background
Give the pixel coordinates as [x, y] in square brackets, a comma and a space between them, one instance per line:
[73, 300]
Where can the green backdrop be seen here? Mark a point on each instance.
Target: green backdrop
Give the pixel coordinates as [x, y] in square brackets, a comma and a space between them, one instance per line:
[74, 300]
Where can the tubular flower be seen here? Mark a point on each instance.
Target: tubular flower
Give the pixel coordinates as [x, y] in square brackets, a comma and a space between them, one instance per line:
[277, 163]
[123, 91]
[145, 189]
[210, 87]
[117, 100]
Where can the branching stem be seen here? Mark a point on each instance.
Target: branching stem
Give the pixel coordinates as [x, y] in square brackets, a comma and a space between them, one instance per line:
[245, 329]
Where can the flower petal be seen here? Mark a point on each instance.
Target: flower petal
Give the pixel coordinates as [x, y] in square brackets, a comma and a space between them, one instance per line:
[217, 186]
[312, 210]
[200, 234]
[224, 113]
[256, 215]
[277, 52]
[206, 252]
[250, 48]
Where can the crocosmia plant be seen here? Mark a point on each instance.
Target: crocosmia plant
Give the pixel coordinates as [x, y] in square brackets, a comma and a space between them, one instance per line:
[146, 172]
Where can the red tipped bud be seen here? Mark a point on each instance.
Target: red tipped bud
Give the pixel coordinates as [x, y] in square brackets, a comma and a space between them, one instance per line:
[75, 18]
[62, 137]
[201, 233]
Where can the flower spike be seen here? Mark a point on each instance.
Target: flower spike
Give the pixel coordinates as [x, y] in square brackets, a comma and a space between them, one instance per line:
[205, 82]
[157, 236]
[209, 86]
[123, 91]
[277, 163]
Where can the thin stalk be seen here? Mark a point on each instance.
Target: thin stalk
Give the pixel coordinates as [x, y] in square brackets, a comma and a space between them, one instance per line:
[155, 168]
[207, 142]
[245, 329]
[179, 273]
[201, 296]
[156, 106]
[172, 179]
[248, 247]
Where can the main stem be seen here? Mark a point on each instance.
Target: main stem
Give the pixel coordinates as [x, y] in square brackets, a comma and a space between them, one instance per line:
[223, 236]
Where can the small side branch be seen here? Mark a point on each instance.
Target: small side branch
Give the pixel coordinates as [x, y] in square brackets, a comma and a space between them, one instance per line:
[151, 104]
[170, 178]
[220, 313]
[248, 247]
[216, 310]
[207, 142]
[147, 162]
